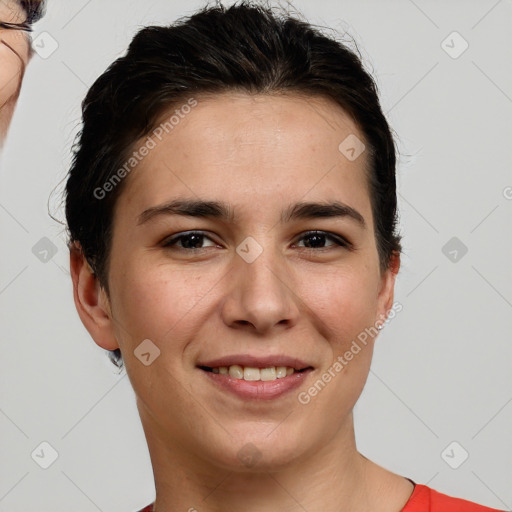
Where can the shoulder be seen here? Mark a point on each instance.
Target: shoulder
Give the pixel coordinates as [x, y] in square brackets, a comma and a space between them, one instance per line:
[425, 499]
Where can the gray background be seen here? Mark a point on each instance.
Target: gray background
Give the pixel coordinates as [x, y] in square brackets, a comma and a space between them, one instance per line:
[441, 371]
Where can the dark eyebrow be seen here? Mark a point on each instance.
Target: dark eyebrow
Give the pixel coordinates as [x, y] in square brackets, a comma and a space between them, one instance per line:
[322, 210]
[189, 208]
[222, 211]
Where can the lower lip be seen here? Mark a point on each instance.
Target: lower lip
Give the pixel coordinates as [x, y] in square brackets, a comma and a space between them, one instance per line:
[259, 390]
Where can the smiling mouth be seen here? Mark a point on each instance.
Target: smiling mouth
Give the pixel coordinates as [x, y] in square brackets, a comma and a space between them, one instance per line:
[250, 373]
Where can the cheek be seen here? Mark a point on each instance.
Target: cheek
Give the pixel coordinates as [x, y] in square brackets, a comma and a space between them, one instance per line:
[10, 73]
[344, 300]
[347, 305]
[158, 303]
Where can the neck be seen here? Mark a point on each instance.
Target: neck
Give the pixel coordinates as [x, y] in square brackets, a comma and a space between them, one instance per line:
[332, 477]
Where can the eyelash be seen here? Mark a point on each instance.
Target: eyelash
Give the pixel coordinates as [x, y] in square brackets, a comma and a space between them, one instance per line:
[338, 240]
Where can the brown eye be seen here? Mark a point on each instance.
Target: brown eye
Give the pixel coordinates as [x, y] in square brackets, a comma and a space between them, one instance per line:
[316, 240]
[191, 240]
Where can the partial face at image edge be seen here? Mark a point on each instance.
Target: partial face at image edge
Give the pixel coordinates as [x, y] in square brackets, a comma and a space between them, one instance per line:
[15, 53]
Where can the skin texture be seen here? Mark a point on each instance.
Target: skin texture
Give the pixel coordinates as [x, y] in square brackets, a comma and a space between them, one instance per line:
[259, 154]
[14, 57]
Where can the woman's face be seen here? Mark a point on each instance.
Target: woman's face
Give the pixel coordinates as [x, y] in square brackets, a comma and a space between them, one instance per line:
[14, 56]
[251, 284]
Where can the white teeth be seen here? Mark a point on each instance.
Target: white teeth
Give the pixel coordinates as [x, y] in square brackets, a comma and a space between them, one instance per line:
[281, 372]
[250, 373]
[235, 371]
[268, 373]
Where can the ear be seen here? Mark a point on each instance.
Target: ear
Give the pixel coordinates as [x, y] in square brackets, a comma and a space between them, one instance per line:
[387, 290]
[91, 300]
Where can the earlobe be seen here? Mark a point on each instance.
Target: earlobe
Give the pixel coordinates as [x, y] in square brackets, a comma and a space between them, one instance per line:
[91, 300]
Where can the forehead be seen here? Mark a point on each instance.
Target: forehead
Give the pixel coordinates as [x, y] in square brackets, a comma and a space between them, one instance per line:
[239, 123]
[236, 145]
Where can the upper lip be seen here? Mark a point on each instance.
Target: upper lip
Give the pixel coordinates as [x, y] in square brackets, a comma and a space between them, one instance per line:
[256, 361]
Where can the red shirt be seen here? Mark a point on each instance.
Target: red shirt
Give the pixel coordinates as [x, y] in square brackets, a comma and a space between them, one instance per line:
[425, 499]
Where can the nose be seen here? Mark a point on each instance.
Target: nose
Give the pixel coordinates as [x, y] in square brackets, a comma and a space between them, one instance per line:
[261, 295]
